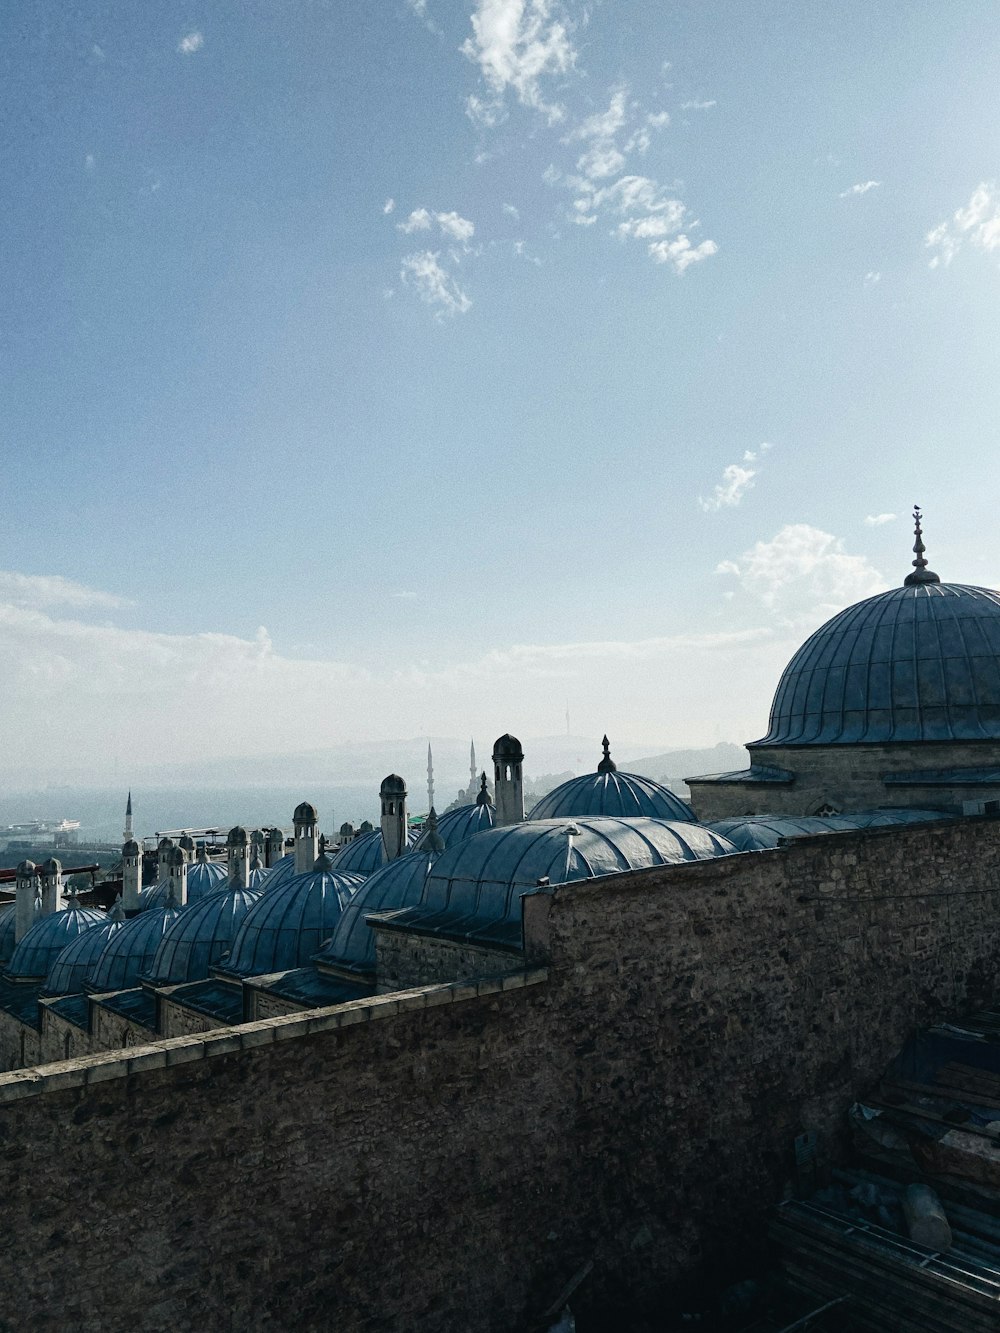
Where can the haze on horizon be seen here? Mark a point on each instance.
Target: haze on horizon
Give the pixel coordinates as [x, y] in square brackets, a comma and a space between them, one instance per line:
[421, 368]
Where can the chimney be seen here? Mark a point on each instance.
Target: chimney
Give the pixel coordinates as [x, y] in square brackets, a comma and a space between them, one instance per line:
[24, 899]
[508, 758]
[186, 843]
[52, 899]
[177, 874]
[275, 845]
[306, 839]
[163, 849]
[238, 846]
[131, 876]
[395, 820]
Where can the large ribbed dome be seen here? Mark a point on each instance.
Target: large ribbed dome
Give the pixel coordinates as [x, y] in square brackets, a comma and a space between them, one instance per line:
[129, 954]
[917, 663]
[199, 937]
[398, 884]
[363, 855]
[619, 795]
[74, 965]
[203, 878]
[47, 938]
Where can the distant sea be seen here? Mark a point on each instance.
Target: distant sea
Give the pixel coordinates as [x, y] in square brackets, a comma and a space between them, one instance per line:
[101, 811]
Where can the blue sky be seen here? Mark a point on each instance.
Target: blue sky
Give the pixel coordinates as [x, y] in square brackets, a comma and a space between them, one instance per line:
[374, 370]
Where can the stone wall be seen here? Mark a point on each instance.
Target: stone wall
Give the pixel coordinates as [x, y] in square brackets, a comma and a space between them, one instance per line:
[178, 1020]
[110, 1030]
[408, 958]
[848, 777]
[61, 1039]
[448, 1158]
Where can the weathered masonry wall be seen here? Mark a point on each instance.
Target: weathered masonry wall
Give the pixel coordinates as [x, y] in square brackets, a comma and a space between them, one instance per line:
[448, 1158]
[410, 958]
[849, 777]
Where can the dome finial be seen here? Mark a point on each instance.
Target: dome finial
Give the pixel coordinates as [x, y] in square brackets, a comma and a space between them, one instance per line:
[607, 764]
[921, 574]
[484, 797]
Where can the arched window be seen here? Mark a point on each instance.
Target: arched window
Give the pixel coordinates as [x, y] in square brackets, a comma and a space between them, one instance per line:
[826, 809]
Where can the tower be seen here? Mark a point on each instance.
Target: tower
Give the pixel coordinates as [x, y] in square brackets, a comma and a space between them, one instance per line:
[177, 876]
[430, 778]
[52, 885]
[508, 758]
[163, 849]
[275, 845]
[186, 843]
[472, 768]
[306, 839]
[238, 847]
[24, 899]
[131, 875]
[395, 820]
[127, 836]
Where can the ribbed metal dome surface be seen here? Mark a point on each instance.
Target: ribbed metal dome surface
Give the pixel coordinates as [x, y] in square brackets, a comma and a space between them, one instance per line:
[47, 938]
[363, 855]
[754, 833]
[74, 965]
[618, 795]
[289, 924]
[8, 921]
[398, 884]
[203, 878]
[919, 663]
[280, 873]
[129, 954]
[474, 889]
[201, 935]
[457, 825]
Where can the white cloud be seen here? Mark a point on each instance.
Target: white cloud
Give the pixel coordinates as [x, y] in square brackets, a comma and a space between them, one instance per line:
[861, 188]
[978, 223]
[879, 520]
[191, 42]
[89, 162]
[511, 212]
[45, 590]
[450, 224]
[434, 285]
[680, 254]
[872, 278]
[698, 106]
[605, 124]
[389, 206]
[803, 574]
[518, 44]
[736, 481]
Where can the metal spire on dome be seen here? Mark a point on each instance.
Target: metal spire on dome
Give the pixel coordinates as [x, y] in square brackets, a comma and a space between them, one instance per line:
[433, 842]
[430, 778]
[484, 797]
[921, 574]
[607, 764]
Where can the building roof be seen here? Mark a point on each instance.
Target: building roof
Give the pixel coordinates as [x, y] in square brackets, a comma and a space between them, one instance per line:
[363, 855]
[398, 884]
[288, 924]
[619, 795]
[753, 833]
[278, 874]
[917, 663]
[459, 824]
[129, 953]
[203, 878]
[73, 966]
[47, 938]
[8, 922]
[473, 891]
[202, 933]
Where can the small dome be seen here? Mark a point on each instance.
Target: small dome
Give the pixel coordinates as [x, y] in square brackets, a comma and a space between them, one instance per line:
[620, 795]
[917, 663]
[280, 873]
[131, 848]
[457, 825]
[363, 855]
[25, 869]
[258, 874]
[393, 785]
[77, 961]
[508, 747]
[129, 952]
[200, 936]
[8, 922]
[237, 837]
[285, 927]
[305, 813]
[474, 889]
[398, 884]
[47, 938]
[203, 878]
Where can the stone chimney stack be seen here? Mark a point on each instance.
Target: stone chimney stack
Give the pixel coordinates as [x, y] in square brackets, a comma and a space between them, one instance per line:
[238, 846]
[186, 843]
[163, 849]
[131, 876]
[306, 837]
[508, 759]
[177, 875]
[52, 887]
[275, 845]
[24, 899]
[395, 819]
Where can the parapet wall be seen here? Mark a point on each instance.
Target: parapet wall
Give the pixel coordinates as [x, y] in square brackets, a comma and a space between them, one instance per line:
[449, 1157]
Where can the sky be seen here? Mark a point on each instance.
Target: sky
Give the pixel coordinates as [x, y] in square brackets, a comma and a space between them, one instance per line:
[440, 366]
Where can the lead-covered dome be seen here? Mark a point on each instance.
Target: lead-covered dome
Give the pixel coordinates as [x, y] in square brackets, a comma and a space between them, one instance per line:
[363, 854]
[398, 884]
[129, 953]
[917, 663]
[200, 936]
[75, 963]
[619, 795]
[8, 923]
[203, 878]
[47, 938]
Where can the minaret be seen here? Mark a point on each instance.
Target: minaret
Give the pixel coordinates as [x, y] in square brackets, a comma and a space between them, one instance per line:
[24, 899]
[430, 778]
[131, 875]
[306, 840]
[52, 885]
[127, 836]
[395, 820]
[921, 574]
[508, 757]
[177, 876]
[472, 767]
[238, 846]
